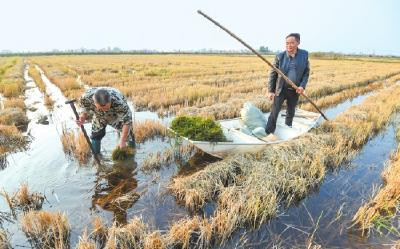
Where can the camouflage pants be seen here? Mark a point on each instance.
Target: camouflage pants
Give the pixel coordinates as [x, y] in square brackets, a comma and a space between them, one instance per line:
[99, 128]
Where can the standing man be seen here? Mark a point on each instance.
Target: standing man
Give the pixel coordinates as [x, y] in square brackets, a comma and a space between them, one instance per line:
[110, 108]
[295, 65]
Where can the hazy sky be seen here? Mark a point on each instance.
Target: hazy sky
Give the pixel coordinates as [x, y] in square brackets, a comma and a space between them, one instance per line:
[349, 26]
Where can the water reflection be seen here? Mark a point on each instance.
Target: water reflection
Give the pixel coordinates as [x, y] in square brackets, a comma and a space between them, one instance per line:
[195, 163]
[115, 189]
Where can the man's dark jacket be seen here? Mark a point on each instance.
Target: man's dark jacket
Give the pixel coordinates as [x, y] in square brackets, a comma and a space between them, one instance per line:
[276, 82]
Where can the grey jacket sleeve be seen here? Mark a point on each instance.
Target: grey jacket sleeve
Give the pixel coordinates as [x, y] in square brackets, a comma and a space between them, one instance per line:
[273, 76]
[306, 75]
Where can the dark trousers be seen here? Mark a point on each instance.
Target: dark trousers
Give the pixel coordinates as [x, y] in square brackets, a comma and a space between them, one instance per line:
[291, 98]
[98, 135]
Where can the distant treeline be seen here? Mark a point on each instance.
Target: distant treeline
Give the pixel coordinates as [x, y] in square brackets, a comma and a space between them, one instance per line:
[340, 56]
[138, 52]
[316, 55]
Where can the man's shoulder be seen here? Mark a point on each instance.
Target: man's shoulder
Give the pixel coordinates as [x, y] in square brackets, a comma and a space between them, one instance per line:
[280, 55]
[117, 97]
[88, 93]
[115, 93]
[302, 52]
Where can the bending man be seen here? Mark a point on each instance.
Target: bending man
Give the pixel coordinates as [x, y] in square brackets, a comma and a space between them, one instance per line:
[110, 108]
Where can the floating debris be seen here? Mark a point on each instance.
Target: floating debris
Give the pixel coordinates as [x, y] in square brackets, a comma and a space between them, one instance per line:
[43, 120]
[32, 109]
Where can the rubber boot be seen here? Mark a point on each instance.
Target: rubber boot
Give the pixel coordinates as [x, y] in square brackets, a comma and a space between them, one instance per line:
[96, 144]
[131, 142]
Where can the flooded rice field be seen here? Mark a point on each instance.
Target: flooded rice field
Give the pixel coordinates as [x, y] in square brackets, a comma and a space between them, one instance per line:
[117, 191]
[84, 191]
[328, 210]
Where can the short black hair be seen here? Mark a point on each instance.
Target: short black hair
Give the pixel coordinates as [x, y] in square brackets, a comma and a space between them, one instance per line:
[102, 97]
[295, 35]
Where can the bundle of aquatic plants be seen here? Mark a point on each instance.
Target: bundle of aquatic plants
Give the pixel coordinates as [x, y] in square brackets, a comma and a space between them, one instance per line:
[198, 128]
[121, 154]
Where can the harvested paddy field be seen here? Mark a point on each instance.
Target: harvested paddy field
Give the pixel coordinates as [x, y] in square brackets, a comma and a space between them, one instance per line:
[302, 193]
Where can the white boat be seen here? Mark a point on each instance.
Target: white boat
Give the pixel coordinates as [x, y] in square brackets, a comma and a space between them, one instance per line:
[239, 142]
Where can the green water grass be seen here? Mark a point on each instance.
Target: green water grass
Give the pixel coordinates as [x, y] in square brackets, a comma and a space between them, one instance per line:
[198, 128]
[121, 154]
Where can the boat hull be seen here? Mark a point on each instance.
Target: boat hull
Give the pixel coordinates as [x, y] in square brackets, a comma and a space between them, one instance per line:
[239, 142]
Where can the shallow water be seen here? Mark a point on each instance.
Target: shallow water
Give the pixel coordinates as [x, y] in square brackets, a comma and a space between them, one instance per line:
[84, 191]
[334, 111]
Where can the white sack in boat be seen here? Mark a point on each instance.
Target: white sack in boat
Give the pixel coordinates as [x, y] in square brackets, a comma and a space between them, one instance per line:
[253, 120]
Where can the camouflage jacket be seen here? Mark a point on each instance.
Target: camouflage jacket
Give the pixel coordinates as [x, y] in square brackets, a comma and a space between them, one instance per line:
[118, 112]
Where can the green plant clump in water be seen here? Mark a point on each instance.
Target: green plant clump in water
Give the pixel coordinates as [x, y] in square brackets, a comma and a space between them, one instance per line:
[121, 154]
[384, 226]
[198, 128]
[398, 133]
